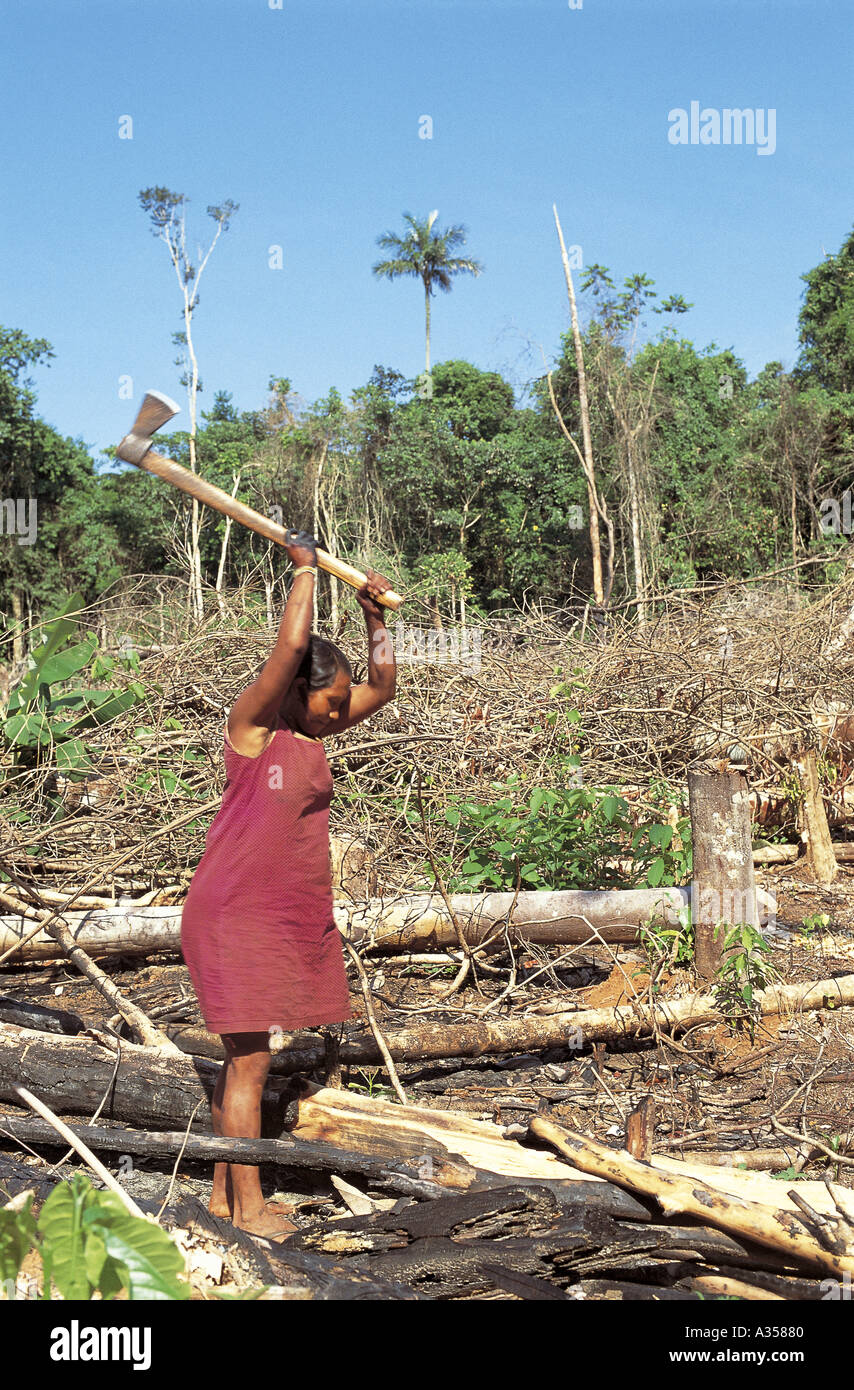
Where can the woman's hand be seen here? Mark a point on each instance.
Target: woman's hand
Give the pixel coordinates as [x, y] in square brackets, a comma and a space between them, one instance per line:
[369, 593]
[301, 547]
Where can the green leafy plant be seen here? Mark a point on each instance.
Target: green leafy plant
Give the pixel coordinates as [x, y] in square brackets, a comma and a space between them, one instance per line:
[788, 1175]
[558, 838]
[744, 969]
[371, 1086]
[17, 1231]
[42, 711]
[816, 920]
[88, 1242]
[673, 944]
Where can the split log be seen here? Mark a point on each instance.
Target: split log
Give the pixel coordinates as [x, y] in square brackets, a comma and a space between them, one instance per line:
[820, 856]
[723, 890]
[777, 1229]
[379, 1127]
[521, 1238]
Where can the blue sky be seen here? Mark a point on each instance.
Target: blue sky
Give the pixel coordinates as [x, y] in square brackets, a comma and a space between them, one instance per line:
[308, 117]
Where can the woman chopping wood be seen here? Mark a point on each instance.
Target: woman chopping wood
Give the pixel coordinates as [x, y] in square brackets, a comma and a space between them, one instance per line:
[257, 929]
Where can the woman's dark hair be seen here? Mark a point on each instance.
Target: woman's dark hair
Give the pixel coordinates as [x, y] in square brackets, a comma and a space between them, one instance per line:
[321, 663]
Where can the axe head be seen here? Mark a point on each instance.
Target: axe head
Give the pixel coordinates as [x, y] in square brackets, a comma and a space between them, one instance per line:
[155, 410]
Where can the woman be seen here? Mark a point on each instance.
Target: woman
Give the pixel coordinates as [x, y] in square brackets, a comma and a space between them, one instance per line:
[257, 930]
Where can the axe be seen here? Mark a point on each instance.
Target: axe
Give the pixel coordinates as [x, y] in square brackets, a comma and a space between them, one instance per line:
[136, 448]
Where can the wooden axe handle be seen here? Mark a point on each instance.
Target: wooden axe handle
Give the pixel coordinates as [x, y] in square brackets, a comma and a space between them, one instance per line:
[212, 496]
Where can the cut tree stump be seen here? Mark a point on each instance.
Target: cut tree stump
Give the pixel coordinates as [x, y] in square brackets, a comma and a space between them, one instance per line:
[640, 1129]
[820, 855]
[723, 890]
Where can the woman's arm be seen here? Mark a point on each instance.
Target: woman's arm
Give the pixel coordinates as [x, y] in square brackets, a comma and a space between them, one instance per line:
[254, 712]
[382, 669]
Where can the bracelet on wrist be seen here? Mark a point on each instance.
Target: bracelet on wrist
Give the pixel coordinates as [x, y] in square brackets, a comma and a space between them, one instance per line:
[306, 569]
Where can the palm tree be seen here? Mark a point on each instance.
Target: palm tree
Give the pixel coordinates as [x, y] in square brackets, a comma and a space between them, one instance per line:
[427, 254]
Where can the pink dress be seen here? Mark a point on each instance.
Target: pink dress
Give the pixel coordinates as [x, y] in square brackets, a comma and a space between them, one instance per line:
[257, 928]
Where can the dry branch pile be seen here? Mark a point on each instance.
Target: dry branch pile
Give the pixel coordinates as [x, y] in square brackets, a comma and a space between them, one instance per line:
[747, 672]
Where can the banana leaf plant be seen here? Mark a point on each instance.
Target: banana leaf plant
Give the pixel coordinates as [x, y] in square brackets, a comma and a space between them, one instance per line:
[44, 716]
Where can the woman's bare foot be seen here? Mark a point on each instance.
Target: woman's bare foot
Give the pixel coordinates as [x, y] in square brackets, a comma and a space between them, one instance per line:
[266, 1222]
[222, 1204]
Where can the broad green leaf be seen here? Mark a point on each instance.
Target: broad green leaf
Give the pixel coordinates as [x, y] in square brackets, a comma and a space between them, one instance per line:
[655, 873]
[660, 835]
[16, 1236]
[609, 807]
[66, 663]
[60, 1224]
[152, 1261]
[95, 1258]
[71, 756]
[28, 729]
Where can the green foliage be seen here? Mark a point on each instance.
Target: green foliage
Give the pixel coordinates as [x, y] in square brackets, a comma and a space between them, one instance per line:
[555, 839]
[671, 944]
[370, 1085]
[814, 921]
[89, 1243]
[17, 1231]
[827, 321]
[425, 253]
[745, 968]
[43, 713]
[454, 467]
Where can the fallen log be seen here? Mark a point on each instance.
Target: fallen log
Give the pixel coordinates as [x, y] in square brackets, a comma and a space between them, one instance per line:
[843, 852]
[777, 1229]
[573, 1030]
[522, 1238]
[756, 1160]
[374, 1126]
[407, 923]
[38, 1017]
[724, 1286]
[66, 944]
[285, 1152]
[74, 1074]
[289, 1274]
